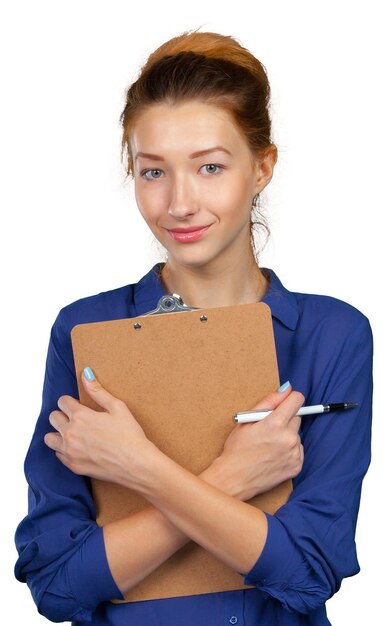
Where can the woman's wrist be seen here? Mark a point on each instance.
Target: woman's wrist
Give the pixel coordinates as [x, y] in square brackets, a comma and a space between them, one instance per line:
[141, 472]
[143, 477]
[218, 475]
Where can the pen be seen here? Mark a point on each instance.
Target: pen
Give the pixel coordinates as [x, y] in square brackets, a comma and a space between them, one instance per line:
[244, 417]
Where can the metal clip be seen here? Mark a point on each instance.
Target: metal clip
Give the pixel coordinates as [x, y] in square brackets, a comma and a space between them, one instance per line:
[170, 303]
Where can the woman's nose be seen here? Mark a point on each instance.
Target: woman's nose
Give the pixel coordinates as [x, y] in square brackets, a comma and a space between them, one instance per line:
[182, 200]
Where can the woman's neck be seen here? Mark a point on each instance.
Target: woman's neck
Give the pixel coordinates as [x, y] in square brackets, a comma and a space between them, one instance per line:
[238, 283]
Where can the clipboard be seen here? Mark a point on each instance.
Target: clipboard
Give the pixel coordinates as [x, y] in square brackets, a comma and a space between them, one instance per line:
[183, 372]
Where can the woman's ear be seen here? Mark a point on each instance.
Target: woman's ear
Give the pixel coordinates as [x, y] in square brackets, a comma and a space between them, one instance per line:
[264, 167]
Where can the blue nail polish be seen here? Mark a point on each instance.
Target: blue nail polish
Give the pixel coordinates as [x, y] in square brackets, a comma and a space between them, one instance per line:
[284, 386]
[89, 374]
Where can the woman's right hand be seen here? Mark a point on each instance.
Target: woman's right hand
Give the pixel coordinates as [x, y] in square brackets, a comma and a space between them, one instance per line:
[260, 455]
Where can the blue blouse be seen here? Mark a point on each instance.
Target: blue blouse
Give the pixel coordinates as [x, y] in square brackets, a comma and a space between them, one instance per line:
[324, 347]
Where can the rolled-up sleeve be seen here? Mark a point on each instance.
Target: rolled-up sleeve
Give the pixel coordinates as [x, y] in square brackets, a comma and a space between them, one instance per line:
[310, 545]
[61, 548]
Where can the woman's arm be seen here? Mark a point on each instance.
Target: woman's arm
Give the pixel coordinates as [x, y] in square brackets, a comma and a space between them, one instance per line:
[60, 529]
[310, 542]
[293, 552]
[62, 552]
[137, 545]
[234, 531]
[110, 445]
[310, 545]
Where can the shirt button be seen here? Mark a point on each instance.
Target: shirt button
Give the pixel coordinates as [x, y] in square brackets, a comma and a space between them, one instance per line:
[233, 619]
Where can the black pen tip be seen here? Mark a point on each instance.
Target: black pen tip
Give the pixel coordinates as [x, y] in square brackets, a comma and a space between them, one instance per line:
[350, 405]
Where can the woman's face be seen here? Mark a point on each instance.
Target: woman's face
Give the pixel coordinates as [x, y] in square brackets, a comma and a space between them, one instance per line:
[195, 180]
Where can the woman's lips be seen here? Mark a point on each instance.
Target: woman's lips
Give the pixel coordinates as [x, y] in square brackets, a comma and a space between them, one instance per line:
[188, 234]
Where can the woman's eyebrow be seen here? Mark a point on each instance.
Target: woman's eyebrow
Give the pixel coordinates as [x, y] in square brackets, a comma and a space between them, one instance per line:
[194, 155]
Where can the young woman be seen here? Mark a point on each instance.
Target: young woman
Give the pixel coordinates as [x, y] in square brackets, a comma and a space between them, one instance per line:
[197, 136]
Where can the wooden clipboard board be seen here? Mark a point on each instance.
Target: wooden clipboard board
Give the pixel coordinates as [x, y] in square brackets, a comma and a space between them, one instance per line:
[183, 375]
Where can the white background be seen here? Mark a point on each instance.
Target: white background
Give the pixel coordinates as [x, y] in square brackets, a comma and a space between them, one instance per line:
[71, 228]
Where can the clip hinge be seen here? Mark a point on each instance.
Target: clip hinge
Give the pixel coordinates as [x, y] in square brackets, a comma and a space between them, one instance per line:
[170, 303]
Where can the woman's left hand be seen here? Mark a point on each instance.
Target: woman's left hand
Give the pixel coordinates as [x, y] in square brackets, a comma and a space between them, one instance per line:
[109, 445]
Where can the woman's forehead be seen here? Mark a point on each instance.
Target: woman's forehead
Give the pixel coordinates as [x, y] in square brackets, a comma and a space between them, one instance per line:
[192, 126]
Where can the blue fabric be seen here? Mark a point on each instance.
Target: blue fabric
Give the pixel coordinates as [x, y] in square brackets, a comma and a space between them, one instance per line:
[324, 348]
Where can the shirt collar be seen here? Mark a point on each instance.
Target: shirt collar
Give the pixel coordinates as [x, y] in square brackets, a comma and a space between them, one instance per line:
[148, 291]
[283, 303]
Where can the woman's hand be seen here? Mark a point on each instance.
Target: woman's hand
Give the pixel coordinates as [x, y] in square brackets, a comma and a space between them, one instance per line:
[258, 456]
[109, 445]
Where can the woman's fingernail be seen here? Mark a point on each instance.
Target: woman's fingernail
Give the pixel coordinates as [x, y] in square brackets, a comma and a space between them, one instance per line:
[89, 374]
[284, 386]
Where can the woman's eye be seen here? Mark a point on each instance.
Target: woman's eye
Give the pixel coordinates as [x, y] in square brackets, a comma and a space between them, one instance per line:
[212, 168]
[155, 174]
